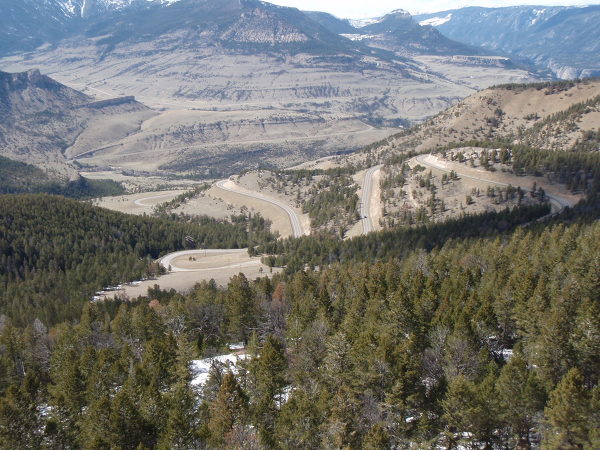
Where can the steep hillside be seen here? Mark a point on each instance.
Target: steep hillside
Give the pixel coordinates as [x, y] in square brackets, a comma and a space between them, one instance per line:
[399, 32]
[488, 151]
[565, 40]
[244, 83]
[332, 23]
[57, 252]
[41, 118]
[31, 93]
[242, 24]
[247, 26]
[430, 50]
[19, 177]
[253, 56]
[553, 115]
[26, 24]
[37, 121]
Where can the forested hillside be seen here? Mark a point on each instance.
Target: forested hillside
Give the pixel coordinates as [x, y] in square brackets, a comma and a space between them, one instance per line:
[19, 178]
[323, 249]
[485, 342]
[475, 331]
[55, 253]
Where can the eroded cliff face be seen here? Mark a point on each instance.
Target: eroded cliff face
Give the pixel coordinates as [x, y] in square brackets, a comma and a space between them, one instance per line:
[40, 118]
[243, 57]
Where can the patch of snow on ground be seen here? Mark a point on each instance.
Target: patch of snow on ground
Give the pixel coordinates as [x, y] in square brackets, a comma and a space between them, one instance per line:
[201, 367]
[436, 21]
[360, 23]
[538, 13]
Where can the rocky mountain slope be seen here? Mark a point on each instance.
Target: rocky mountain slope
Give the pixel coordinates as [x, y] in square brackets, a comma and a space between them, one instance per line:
[231, 23]
[398, 32]
[200, 53]
[25, 24]
[565, 40]
[471, 157]
[239, 51]
[40, 118]
[248, 83]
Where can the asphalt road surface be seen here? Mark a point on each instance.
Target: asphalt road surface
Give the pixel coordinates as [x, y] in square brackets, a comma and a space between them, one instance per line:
[365, 201]
[228, 185]
[167, 260]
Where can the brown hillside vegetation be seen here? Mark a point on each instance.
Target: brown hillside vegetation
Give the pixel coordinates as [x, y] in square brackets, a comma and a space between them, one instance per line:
[556, 115]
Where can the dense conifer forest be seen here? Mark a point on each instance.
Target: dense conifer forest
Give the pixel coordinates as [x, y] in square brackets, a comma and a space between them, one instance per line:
[19, 178]
[479, 332]
[481, 342]
[324, 249]
[55, 253]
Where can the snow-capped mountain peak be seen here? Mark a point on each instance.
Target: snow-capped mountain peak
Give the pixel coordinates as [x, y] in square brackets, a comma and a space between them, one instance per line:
[86, 8]
[361, 23]
[399, 12]
[436, 21]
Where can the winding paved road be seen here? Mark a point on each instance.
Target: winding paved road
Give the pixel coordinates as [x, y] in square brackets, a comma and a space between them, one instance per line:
[167, 260]
[365, 201]
[558, 203]
[228, 185]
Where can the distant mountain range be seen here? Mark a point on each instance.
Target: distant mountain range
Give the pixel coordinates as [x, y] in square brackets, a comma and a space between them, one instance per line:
[563, 40]
[27, 24]
[247, 24]
[397, 32]
[249, 51]
[248, 82]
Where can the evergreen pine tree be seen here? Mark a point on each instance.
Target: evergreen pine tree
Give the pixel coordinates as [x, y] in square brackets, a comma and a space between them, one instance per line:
[377, 438]
[594, 419]
[96, 424]
[241, 308]
[127, 427]
[20, 421]
[182, 420]
[567, 414]
[298, 423]
[228, 409]
[522, 398]
[269, 377]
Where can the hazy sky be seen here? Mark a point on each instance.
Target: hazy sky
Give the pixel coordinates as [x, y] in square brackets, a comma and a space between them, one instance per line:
[372, 8]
